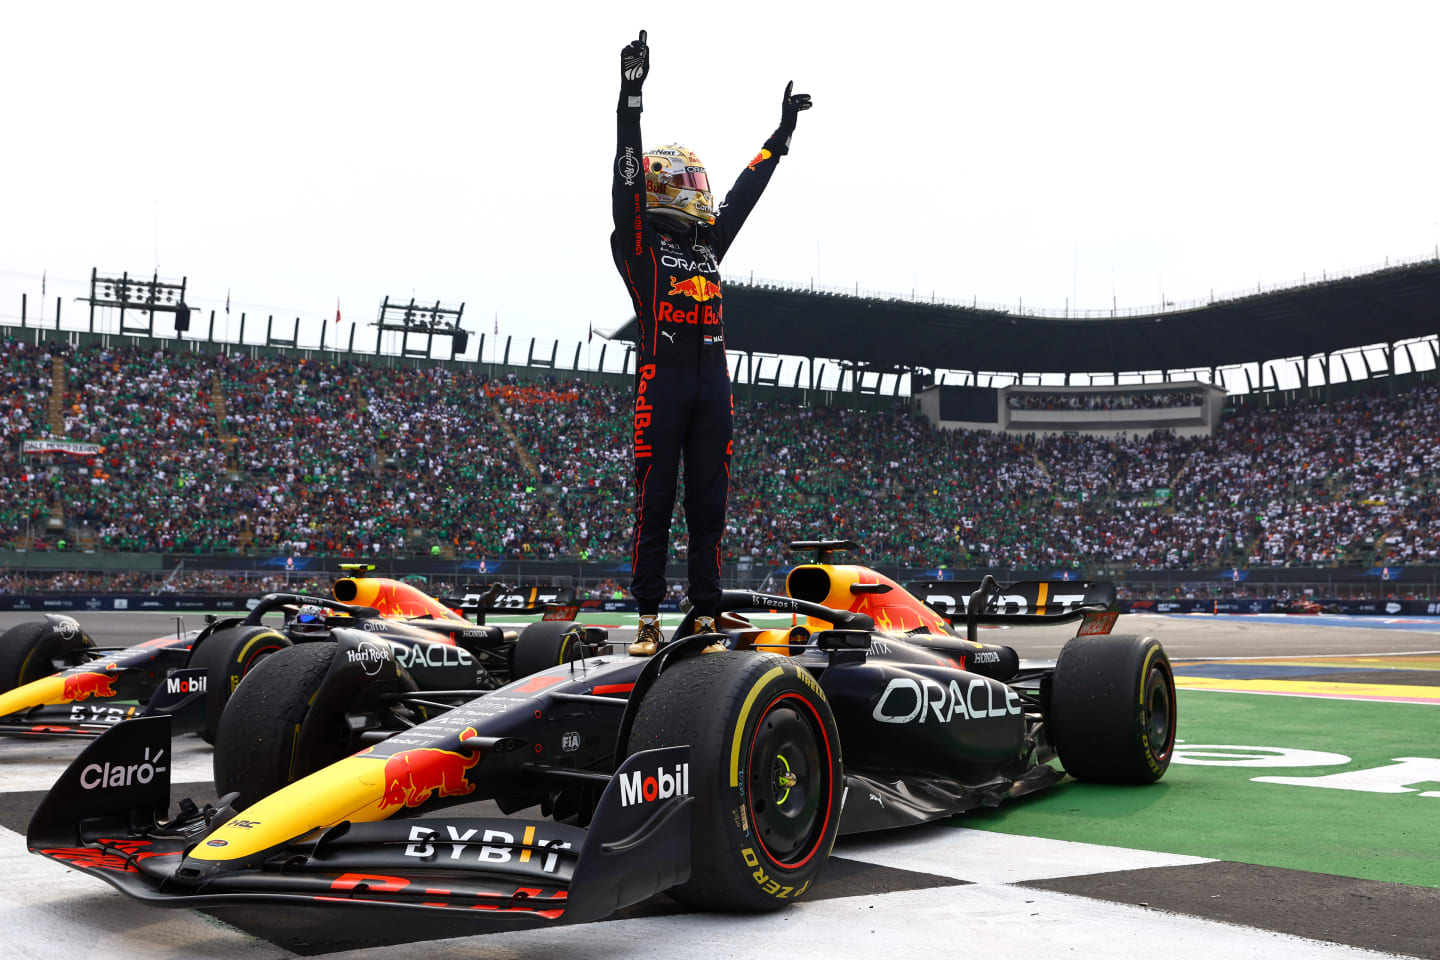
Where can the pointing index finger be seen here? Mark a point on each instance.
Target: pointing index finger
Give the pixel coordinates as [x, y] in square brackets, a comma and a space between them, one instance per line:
[642, 38]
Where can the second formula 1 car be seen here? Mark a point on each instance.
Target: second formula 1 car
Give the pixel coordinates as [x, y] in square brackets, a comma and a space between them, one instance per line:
[56, 682]
[720, 769]
[1303, 606]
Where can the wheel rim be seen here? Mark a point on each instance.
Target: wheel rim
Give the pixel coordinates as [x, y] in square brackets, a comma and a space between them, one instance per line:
[790, 780]
[1159, 711]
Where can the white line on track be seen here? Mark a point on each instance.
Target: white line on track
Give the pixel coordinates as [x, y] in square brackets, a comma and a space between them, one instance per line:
[1348, 698]
[979, 856]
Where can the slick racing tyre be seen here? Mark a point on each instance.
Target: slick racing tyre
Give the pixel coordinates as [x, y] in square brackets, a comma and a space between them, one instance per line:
[29, 651]
[546, 644]
[256, 743]
[766, 775]
[226, 656]
[255, 740]
[1112, 709]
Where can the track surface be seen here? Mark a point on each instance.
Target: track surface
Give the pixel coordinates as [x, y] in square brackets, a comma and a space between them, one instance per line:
[1183, 636]
[1216, 861]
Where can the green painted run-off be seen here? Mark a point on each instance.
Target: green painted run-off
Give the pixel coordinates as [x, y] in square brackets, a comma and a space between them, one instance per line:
[1219, 812]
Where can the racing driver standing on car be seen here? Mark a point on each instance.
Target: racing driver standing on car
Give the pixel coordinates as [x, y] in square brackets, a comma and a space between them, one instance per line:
[668, 243]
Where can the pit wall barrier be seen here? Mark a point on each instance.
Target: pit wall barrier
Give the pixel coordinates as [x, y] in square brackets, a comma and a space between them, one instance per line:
[1377, 608]
[144, 602]
[179, 602]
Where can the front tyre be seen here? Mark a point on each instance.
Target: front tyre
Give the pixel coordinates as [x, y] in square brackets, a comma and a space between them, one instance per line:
[255, 742]
[544, 644]
[1112, 709]
[39, 648]
[766, 768]
[226, 656]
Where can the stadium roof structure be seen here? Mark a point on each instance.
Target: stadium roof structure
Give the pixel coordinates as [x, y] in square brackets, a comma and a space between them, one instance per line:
[879, 332]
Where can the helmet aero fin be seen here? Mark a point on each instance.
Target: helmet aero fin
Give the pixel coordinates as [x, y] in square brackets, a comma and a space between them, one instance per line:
[677, 186]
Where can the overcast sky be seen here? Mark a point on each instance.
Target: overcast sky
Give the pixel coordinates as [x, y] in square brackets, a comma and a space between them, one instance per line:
[298, 152]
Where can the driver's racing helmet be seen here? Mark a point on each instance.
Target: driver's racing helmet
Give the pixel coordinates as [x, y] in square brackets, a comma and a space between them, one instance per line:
[309, 622]
[676, 185]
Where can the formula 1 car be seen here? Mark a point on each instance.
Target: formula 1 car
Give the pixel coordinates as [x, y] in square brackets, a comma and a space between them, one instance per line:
[55, 681]
[716, 776]
[1304, 606]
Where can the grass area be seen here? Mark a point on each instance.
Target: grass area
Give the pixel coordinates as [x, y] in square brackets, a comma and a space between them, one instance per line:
[1220, 812]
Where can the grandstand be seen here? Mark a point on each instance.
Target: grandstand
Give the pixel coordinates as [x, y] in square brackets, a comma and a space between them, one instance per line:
[232, 458]
[241, 455]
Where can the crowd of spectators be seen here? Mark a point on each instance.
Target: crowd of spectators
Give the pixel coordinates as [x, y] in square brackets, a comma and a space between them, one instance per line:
[245, 583]
[1109, 400]
[25, 377]
[212, 454]
[155, 582]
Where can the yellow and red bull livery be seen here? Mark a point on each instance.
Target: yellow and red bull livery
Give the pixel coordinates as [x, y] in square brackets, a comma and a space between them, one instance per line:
[66, 686]
[715, 775]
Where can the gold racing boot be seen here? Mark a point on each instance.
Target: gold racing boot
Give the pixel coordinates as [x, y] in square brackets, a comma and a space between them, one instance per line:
[647, 638]
[707, 625]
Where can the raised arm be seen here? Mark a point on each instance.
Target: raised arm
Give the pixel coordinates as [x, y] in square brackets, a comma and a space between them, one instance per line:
[627, 191]
[752, 180]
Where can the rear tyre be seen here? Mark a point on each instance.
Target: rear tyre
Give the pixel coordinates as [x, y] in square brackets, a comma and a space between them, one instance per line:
[766, 769]
[1112, 709]
[226, 656]
[39, 648]
[255, 739]
[546, 643]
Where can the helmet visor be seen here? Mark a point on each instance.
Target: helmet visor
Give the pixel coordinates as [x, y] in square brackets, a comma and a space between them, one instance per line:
[692, 179]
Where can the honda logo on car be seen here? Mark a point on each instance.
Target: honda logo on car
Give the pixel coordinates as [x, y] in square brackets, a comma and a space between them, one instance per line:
[637, 788]
[922, 697]
[97, 776]
[185, 685]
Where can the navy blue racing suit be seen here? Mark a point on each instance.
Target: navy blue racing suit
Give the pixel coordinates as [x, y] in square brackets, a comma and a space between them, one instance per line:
[682, 403]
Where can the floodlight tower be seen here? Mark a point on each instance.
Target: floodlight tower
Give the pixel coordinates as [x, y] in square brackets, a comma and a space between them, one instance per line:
[142, 296]
[430, 320]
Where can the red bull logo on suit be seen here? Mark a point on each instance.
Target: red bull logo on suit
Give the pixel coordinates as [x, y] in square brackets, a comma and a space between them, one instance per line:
[697, 288]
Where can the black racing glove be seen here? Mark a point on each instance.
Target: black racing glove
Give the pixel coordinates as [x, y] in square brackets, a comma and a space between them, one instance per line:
[790, 108]
[634, 65]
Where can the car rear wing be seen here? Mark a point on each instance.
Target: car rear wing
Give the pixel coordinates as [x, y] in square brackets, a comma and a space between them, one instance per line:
[554, 603]
[1025, 602]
